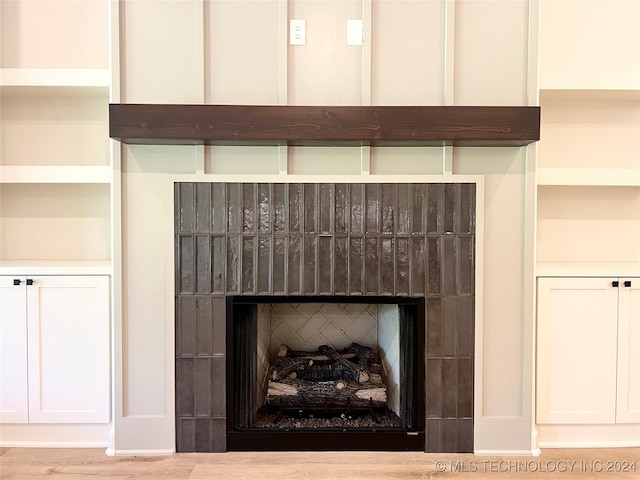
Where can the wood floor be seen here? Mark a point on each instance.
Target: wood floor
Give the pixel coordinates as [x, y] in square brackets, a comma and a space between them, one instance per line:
[602, 464]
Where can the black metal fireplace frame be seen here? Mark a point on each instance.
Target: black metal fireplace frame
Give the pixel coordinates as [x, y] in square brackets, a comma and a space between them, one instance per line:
[411, 438]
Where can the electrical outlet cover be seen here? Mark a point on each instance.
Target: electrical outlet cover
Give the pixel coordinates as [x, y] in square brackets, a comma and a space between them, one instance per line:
[297, 32]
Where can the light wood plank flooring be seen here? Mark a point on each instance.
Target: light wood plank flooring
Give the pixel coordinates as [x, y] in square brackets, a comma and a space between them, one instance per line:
[23, 463]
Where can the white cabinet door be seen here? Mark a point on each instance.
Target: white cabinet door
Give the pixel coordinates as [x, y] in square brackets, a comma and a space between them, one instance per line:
[577, 352]
[629, 352]
[68, 349]
[13, 351]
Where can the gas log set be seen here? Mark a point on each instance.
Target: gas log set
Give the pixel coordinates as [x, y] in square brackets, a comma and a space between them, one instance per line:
[326, 381]
[326, 388]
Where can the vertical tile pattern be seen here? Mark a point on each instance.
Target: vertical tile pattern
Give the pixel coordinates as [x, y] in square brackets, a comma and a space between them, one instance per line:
[279, 266]
[310, 265]
[264, 266]
[203, 264]
[311, 207]
[325, 265]
[295, 265]
[341, 218]
[326, 208]
[341, 265]
[324, 239]
[402, 266]
[202, 208]
[371, 266]
[218, 208]
[264, 208]
[387, 266]
[372, 201]
[249, 213]
[279, 208]
[356, 250]
[218, 264]
[187, 258]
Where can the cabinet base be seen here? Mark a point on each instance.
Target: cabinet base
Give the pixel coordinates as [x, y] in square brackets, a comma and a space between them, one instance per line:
[588, 436]
[54, 436]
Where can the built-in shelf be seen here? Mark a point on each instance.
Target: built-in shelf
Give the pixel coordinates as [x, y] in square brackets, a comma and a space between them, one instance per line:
[598, 94]
[611, 177]
[156, 124]
[54, 174]
[54, 81]
[588, 269]
[55, 267]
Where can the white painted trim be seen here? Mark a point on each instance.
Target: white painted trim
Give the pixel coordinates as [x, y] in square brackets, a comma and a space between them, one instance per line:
[283, 53]
[367, 47]
[508, 453]
[200, 51]
[365, 160]
[588, 269]
[589, 436]
[55, 174]
[610, 177]
[359, 178]
[170, 345]
[54, 435]
[478, 180]
[478, 377]
[54, 77]
[115, 96]
[200, 161]
[588, 444]
[533, 53]
[534, 432]
[51, 444]
[449, 33]
[55, 267]
[114, 51]
[136, 453]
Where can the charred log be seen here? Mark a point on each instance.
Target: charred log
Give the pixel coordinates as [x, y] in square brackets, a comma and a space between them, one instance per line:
[326, 379]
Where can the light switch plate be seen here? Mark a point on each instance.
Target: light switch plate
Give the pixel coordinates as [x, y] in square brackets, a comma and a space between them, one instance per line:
[354, 32]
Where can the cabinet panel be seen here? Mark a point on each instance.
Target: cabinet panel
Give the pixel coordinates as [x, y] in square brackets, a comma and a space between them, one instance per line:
[13, 351]
[628, 409]
[68, 349]
[577, 336]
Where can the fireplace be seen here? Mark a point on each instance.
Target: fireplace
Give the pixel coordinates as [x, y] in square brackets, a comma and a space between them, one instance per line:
[247, 247]
[301, 368]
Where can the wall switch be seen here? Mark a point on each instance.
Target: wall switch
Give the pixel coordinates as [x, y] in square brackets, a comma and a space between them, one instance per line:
[297, 32]
[354, 32]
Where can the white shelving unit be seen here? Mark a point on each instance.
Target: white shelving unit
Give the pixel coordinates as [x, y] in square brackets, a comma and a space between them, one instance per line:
[588, 171]
[588, 225]
[55, 167]
[56, 215]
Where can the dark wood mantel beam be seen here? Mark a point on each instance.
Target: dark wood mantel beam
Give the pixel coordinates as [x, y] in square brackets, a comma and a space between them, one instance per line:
[155, 124]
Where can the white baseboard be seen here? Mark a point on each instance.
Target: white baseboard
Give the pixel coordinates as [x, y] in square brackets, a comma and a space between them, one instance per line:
[588, 436]
[46, 444]
[54, 435]
[507, 453]
[138, 453]
[576, 444]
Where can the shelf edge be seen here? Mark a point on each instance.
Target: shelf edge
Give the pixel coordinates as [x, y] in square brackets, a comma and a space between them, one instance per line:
[55, 174]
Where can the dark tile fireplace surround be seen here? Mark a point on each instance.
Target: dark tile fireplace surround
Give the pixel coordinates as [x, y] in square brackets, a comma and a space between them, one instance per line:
[322, 242]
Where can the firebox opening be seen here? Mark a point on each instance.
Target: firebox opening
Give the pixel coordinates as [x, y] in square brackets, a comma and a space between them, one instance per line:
[299, 367]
